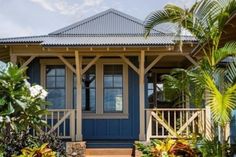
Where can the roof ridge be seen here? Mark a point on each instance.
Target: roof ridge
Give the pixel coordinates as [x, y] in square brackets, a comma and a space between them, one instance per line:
[96, 16]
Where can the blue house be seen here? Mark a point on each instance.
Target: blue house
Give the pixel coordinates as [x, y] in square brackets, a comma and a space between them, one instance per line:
[103, 79]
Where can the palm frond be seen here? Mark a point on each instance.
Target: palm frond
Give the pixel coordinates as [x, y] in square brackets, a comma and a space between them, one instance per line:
[231, 72]
[221, 104]
[170, 14]
[229, 49]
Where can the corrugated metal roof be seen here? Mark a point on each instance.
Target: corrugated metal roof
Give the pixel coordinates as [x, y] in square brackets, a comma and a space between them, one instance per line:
[110, 27]
[108, 22]
[96, 40]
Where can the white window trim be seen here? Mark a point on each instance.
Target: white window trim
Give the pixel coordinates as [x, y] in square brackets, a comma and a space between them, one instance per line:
[99, 86]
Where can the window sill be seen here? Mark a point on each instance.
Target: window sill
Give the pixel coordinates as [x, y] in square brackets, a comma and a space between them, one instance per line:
[105, 116]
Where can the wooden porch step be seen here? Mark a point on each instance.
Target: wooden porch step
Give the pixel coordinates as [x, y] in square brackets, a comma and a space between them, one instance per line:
[116, 152]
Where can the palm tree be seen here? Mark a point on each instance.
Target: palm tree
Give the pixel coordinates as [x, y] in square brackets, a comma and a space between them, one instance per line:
[205, 20]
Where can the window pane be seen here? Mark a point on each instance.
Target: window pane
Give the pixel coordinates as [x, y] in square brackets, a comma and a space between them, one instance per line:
[108, 81]
[51, 81]
[60, 72]
[60, 81]
[88, 90]
[89, 101]
[57, 98]
[118, 69]
[113, 100]
[118, 81]
[50, 72]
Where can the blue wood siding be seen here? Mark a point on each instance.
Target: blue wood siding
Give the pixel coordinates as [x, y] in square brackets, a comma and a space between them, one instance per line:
[33, 72]
[105, 129]
[122, 129]
[233, 128]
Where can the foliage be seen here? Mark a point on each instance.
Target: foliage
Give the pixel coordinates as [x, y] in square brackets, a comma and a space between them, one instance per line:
[206, 21]
[212, 148]
[42, 151]
[12, 143]
[166, 148]
[53, 142]
[20, 103]
[21, 108]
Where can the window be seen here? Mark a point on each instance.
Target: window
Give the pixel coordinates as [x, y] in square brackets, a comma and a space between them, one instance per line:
[55, 84]
[88, 90]
[113, 88]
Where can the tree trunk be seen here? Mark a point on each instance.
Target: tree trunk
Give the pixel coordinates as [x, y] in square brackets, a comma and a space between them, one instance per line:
[223, 141]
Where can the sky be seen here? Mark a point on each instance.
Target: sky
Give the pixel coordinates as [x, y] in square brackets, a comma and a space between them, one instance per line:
[40, 17]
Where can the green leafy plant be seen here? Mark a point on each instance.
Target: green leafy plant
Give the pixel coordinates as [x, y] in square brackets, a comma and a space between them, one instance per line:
[166, 148]
[21, 105]
[212, 147]
[42, 151]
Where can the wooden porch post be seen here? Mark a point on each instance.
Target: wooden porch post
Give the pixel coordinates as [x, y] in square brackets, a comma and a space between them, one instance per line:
[78, 61]
[13, 59]
[141, 97]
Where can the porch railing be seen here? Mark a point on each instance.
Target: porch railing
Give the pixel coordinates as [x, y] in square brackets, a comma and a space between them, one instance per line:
[61, 122]
[174, 122]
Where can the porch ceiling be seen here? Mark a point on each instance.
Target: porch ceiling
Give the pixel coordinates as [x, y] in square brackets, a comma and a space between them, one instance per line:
[4, 54]
[229, 33]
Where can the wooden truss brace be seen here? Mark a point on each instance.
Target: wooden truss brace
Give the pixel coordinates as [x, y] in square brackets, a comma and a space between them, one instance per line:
[157, 59]
[67, 64]
[127, 61]
[191, 60]
[162, 122]
[28, 61]
[90, 64]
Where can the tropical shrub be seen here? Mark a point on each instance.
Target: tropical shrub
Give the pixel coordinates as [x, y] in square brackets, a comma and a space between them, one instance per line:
[212, 147]
[42, 151]
[166, 148]
[21, 104]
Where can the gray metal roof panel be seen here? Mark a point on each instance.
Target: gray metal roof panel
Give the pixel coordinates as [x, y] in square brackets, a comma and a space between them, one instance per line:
[98, 40]
[108, 22]
[115, 40]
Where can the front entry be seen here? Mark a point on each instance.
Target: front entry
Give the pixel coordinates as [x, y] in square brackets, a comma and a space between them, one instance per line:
[110, 102]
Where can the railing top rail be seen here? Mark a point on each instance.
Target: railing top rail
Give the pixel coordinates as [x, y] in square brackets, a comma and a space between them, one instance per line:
[175, 109]
[59, 110]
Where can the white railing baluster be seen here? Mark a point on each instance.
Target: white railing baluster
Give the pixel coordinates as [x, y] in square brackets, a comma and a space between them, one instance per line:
[58, 118]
